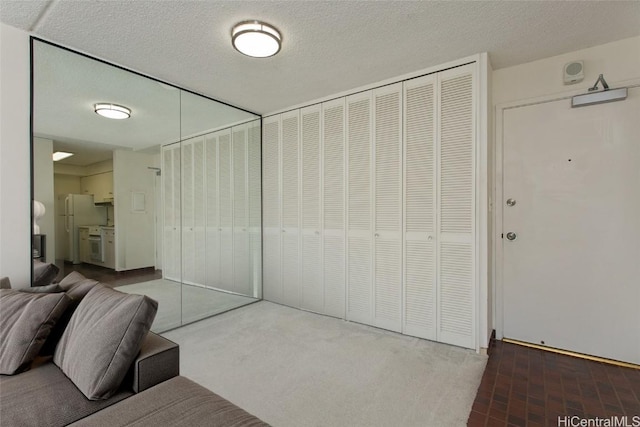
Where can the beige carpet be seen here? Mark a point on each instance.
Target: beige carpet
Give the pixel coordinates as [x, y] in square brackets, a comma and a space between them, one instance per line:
[293, 368]
[180, 305]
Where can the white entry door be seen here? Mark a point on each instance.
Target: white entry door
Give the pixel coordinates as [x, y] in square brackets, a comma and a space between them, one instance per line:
[571, 276]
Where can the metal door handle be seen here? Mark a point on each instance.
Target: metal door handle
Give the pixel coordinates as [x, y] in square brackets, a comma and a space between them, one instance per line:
[511, 235]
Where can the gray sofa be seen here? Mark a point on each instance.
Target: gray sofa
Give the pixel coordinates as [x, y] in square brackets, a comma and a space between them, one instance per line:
[151, 394]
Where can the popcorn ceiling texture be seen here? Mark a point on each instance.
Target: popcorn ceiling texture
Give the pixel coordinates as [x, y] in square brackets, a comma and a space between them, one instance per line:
[328, 46]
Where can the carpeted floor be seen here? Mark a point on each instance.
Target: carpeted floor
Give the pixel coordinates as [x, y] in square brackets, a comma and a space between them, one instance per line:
[293, 368]
[179, 305]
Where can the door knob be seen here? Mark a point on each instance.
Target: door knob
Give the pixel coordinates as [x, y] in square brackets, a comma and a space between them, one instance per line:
[511, 202]
[511, 235]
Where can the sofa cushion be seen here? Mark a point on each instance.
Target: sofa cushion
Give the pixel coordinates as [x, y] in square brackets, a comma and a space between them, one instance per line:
[25, 323]
[44, 273]
[45, 396]
[103, 338]
[175, 402]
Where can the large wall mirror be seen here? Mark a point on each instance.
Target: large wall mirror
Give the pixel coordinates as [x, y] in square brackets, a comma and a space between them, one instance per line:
[163, 202]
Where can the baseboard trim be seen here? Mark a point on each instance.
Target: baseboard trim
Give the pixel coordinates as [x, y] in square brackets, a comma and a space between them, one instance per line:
[573, 354]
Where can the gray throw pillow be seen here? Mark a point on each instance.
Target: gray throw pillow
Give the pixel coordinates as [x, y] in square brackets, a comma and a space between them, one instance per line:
[103, 338]
[77, 287]
[49, 289]
[44, 273]
[5, 283]
[25, 324]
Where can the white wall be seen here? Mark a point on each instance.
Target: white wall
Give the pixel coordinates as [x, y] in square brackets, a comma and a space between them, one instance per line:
[15, 193]
[43, 191]
[618, 61]
[135, 230]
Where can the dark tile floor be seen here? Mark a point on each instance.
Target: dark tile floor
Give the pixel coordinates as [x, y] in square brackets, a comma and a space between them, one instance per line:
[523, 386]
[111, 277]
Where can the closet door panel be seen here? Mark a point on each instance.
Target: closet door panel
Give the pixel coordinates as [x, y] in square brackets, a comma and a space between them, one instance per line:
[188, 237]
[271, 199]
[312, 282]
[255, 206]
[456, 201]
[388, 207]
[333, 207]
[226, 210]
[199, 203]
[212, 244]
[291, 226]
[176, 251]
[241, 276]
[419, 221]
[170, 222]
[359, 208]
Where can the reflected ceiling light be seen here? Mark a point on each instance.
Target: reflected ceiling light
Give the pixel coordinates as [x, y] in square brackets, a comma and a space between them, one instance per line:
[59, 155]
[256, 39]
[112, 111]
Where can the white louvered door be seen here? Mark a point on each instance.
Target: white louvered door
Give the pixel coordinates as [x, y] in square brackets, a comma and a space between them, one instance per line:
[333, 207]
[212, 251]
[359, 208]
[420, 109]
[199, 206]
[172, 215]
[254, 176]
[241, 275]
[225, 185]
[188, 209]
[456, 207]
[312, 296]
[291, 283]
[272, 226]
[387, 206]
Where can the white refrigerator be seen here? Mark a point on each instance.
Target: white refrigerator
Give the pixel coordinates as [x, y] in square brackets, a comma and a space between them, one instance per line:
[72, 211]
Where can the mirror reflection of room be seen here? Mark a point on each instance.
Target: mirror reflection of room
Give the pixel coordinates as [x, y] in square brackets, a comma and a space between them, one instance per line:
[126, 195]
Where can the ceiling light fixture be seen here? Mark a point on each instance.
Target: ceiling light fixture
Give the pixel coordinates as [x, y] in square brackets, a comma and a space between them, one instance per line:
[112, 111]
[256, 39]
[59, 155]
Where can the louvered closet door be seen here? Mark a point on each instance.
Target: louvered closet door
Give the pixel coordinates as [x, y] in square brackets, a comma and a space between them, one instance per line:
[171, 218]
[272, 279]
[176, 252]
[312, 283]
[212, 251]
[333, 207]
[241, 271]
[188, 208]
[225, 185]
[255, 207]
[291, 283]
[456, 202]
[359, 208]
[199, 202]
[419, 213]
[388, 207]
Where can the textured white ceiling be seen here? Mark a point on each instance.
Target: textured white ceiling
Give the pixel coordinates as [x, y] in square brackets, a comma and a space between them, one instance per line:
[328, 46]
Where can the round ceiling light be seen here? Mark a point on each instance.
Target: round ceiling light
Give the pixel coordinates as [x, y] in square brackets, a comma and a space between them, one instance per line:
[112, 111]
[256, 39]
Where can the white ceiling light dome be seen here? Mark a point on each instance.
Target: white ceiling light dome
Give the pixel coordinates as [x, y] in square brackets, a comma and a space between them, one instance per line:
[112, 111]
[256, 39]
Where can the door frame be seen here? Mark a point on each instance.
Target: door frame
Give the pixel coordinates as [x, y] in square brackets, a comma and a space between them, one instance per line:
[498, 177]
